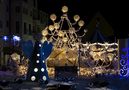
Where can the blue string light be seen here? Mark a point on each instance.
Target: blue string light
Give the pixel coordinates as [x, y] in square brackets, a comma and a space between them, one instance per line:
[16, 38]
[124, 62]
[5, 38]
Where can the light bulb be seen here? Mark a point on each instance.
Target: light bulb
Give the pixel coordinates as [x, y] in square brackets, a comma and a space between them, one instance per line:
[81, 23]
[51, 27]
[44, 78]
[35, 69]
[44, 32]
[72, 30]
[65, 39]
[61, 33]
[57, 25]
[44, 39]
[64, 9]
[85, 30]
[76, 17]
[33, 78]
[53, 17]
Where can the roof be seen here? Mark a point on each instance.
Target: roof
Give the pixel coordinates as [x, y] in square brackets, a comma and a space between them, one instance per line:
[102, 32]
[97, 36]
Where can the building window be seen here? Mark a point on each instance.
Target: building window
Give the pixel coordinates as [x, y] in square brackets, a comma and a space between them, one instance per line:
[30, 29]
[25, 1]
[34, 29]
[1, 24]
[35, 14]
[34, 1]
[25, 11]
[0, 1]
[7, 8]
[17, 27]
[25, 28]
[17, 9]
[31, 13]
[7, 23]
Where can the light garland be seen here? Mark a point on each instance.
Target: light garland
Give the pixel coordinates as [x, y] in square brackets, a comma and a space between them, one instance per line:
[67, 41]
[63, 37]
[22, 66]
[99, 56]
[124, 62]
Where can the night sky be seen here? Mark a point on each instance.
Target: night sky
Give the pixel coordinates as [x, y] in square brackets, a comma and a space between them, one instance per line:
[114, 12]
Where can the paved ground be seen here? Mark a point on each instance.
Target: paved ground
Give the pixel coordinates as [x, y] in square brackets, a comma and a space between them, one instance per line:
[114, 83]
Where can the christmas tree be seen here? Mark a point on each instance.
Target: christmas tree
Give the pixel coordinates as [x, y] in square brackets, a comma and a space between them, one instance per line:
[37, 70]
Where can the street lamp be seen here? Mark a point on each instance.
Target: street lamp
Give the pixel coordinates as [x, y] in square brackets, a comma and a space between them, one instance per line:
[16, 38]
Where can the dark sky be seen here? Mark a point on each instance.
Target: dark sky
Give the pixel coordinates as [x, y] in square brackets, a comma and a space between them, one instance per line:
[114, 12]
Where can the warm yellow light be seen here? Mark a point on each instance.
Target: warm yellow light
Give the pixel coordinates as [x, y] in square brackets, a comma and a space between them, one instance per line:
[57, 25]
[15, 56]
[76, 17]
[72, 30]
[65, 39]
[51, 71]
[53, 17]
[44, 32]
[22, 70]
[51, 27]
[61, 33]
[64, 9]
[81, 23]
[110, 56]
[43, 39]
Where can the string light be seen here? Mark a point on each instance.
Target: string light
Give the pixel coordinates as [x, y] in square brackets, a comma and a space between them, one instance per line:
[58, 35]
[67, 41]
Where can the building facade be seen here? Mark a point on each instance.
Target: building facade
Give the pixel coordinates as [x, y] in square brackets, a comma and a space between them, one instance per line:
[4, 24]
[21, 18]
[4, 16]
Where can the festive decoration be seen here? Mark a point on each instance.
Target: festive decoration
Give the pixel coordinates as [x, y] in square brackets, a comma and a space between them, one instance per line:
[5, 38]
[27, 48]
[99, 58]
[65, 37]
[63, 33]
[16, 38]
[90, 58]
[124, 62]
[37, 68]
[17, 65]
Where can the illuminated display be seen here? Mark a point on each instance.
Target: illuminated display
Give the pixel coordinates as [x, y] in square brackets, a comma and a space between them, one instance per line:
[124, 62]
